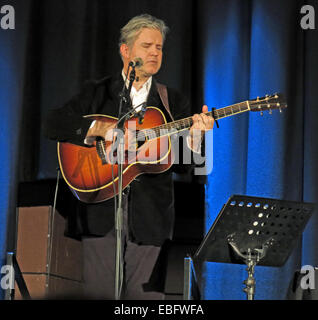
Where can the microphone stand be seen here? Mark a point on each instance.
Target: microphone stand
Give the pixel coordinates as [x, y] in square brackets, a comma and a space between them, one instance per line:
[119, 265]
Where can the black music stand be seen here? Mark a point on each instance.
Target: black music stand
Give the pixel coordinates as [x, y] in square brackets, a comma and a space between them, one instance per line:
[254, 230]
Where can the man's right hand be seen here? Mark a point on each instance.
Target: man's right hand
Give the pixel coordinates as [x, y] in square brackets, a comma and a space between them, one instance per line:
[108, 132]
[98, 129]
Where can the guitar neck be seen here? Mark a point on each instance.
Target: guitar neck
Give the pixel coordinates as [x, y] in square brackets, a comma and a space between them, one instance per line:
[184, 124]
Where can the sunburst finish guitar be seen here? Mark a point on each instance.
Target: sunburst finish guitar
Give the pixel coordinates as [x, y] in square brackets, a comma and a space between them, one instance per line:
[92, 179]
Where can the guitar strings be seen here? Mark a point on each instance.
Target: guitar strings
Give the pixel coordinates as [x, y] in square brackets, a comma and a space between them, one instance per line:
[183, 124]
[179, 125]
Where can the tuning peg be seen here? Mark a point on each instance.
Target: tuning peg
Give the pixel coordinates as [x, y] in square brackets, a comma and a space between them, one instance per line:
[261, 113]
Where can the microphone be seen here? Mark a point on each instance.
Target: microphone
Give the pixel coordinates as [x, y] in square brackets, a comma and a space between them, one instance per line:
[136, 63]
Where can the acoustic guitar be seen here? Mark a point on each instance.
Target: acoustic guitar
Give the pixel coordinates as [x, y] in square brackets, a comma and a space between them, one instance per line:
[93, 179]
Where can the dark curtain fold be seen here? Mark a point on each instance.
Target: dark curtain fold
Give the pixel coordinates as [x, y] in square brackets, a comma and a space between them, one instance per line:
[13, 51]
[310, 150]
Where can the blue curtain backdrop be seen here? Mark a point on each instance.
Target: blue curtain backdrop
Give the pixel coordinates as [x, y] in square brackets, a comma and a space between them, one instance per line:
[218, 52]
[253, 49]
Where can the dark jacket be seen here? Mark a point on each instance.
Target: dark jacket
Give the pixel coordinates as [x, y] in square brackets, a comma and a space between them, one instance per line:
[151, 202]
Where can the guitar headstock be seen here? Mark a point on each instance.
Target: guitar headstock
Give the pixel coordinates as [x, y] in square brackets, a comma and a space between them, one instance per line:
[268, 103]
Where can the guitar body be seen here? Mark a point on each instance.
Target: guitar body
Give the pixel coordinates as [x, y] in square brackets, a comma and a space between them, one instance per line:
[91, 181]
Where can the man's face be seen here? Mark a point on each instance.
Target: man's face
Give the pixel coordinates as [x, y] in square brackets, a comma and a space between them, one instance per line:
[148, 47]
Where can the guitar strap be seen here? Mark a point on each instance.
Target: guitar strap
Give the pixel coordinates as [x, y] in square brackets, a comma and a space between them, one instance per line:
[163, 93]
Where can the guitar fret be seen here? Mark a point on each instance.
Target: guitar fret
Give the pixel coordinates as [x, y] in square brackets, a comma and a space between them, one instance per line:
[231, 110]
[227, 112]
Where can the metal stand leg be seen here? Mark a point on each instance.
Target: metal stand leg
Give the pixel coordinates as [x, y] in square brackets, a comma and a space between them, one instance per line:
[251, 259]
[191, 290]
[250, 282]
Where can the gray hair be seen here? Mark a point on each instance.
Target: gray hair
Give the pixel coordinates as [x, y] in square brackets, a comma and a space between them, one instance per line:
[130, 31]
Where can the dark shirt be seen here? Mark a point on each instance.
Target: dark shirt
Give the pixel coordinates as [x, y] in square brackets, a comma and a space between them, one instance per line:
[151, 196]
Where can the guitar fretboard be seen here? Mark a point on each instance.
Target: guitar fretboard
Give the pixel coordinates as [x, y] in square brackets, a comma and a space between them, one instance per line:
[183, 124]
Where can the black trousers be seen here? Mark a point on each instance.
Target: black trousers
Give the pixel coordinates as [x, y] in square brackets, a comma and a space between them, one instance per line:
[99, 266]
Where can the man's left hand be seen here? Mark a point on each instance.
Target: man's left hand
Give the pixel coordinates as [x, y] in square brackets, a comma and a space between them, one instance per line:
[201, 124]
